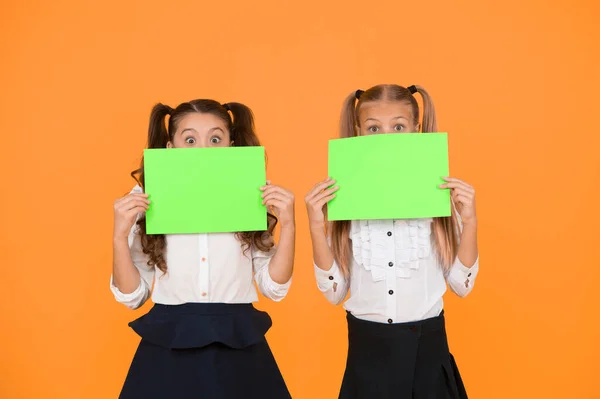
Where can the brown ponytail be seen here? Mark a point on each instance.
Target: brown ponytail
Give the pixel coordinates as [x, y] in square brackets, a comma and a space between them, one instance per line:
[429, 124]
[157, 136]
[445, 235]
[243, 130]
[160, 132]
[348, 118]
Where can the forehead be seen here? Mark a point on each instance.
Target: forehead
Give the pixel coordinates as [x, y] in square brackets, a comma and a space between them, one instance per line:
[200, 122]
[385, 110]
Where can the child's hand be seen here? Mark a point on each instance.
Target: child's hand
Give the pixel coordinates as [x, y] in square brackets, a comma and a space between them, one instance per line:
[463, 196]
[281, 201]
[317, 199]
[126, 210]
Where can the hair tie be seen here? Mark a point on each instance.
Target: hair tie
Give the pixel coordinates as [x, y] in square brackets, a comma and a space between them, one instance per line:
[413, 89]
[226, 106]
[358, 93]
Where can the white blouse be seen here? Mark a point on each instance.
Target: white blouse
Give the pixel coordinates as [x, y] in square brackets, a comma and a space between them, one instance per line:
[201, 268]
[395, 274]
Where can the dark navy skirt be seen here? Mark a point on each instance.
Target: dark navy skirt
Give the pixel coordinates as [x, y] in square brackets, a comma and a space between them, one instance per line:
[203, 350]
[403, 361]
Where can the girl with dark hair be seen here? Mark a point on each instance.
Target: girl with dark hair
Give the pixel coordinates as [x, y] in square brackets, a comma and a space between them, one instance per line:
[202, 338]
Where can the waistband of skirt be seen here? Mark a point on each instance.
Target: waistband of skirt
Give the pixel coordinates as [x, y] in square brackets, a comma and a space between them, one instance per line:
[371, 328]
[195, 325]
[203, 308]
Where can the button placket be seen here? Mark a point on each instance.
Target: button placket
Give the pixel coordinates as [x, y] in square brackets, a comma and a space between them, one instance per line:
[390, 272]
[203, 266]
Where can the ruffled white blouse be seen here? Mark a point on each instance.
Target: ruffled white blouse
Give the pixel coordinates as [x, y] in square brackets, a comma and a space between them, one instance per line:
[395, 275]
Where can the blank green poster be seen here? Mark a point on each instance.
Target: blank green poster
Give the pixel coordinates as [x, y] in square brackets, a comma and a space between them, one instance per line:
[205, 190]
[389, 176]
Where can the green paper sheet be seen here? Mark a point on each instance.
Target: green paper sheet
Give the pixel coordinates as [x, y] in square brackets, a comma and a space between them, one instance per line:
[205, 190]
[389, 176]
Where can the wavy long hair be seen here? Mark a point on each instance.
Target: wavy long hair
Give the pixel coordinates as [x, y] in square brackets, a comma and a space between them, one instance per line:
[240, 122]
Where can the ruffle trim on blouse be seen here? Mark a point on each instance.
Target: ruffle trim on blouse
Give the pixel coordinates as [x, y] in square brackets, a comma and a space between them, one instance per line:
[411, 240]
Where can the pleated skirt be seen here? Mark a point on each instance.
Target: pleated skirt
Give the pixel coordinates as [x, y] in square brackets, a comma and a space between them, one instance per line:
[400, 361]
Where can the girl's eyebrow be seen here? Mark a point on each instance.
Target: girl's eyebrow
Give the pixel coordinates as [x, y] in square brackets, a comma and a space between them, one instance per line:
[377, 120]
[194, 130]
[188, 129]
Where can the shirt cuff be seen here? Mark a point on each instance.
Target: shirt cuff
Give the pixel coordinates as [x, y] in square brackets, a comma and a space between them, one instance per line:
[132, 300]
[462, 278]
[271, 288]
[327, 278]
[279, 291]
[467, 271]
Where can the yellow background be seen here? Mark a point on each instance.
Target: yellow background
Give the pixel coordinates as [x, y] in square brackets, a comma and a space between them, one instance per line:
[515, 84]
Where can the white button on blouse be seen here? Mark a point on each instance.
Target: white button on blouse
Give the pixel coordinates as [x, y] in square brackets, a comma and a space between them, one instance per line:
[202, 268]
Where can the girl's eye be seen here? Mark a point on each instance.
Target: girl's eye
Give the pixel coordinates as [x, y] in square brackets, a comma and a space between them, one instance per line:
[398, 128]
[373, 129]
[215, 140]
[190, 140]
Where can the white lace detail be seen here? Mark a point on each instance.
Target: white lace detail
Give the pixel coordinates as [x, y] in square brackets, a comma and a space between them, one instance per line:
[370, 243]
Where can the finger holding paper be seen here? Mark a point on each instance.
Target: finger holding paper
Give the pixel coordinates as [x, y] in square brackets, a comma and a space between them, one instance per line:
[317, 198]
[463, 196]
[281, 201]
[126, 210]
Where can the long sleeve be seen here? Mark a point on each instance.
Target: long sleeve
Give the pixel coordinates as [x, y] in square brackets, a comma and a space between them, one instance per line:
[461, 279]
[141, 294]
[332, 283]
[269, 288]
